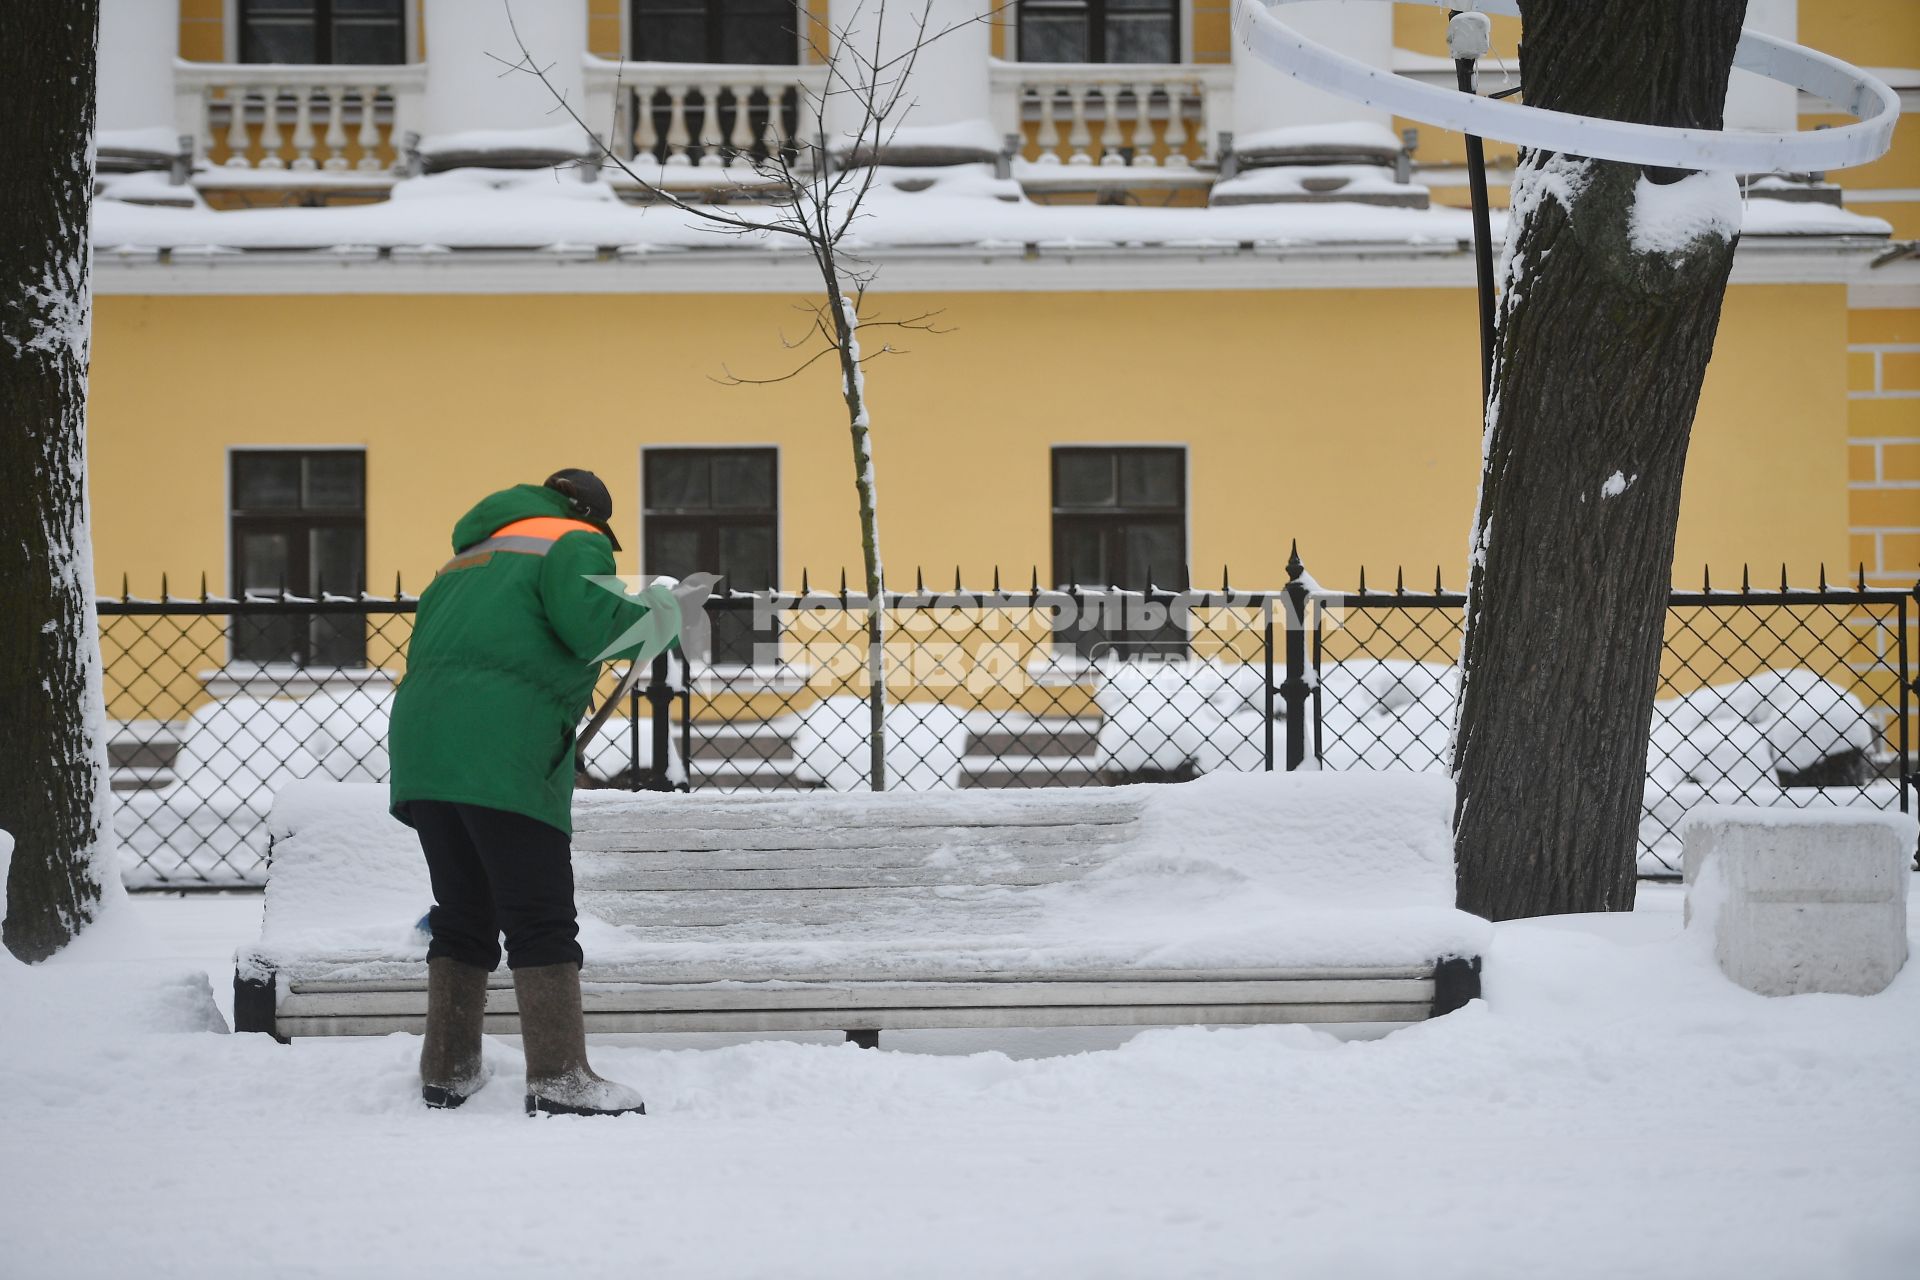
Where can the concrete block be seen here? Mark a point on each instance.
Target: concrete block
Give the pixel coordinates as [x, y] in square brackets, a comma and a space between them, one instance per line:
[1801, 900]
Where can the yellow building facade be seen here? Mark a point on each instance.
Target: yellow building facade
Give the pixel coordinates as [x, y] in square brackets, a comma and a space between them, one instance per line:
[1305, 365]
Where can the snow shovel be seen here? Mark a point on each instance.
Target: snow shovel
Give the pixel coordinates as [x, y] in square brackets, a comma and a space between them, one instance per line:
[691, 594]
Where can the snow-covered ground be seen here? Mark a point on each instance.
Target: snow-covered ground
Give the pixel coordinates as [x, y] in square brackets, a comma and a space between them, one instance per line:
[1613, 1108]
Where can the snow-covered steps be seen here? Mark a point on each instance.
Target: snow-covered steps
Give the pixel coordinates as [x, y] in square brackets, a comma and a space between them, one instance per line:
[1034, 751]
[1236, 899]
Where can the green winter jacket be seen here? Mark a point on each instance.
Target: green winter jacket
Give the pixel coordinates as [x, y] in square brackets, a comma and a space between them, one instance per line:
[504, 657]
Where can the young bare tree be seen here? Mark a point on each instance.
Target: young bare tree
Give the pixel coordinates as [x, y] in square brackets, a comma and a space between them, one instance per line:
[827, 179]
[53, 768]
[1602, 345]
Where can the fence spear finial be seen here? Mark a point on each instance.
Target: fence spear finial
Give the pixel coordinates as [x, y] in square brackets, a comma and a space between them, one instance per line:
[1363, 579]
[804, 589]
[1036, 580]
[957, 588]
[996, 577]
[1400, 580]
[164, 593]
[1437, 588]
[125, 593]
[1783, 575]
[1746, 582]
[1706, 577]
[397, 593]
[1863, 576]
[1823, 575]
[843, 584]
[1225, 580]
[919, 581]
[1294, 567]
[203, 586]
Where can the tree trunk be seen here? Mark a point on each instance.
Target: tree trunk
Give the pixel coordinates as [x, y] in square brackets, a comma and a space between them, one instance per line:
[1606, 325]
[853, 385]
[53, 769]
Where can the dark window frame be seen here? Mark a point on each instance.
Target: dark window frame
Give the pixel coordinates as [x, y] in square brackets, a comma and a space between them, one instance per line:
[716, 15]
[300, 639]
[324, 18]
[735, 639]
[1097, 12]
[1110, 523]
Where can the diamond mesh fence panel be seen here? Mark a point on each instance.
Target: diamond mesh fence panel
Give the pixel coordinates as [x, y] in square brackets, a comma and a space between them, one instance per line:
[1779, 698]
[200, 740]
[983, 689]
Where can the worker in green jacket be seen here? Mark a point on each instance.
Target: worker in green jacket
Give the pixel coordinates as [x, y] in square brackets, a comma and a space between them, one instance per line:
[506, 650]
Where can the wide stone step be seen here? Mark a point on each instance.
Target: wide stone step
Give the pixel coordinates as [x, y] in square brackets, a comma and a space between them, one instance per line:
[1035, 772]
[1061, 739]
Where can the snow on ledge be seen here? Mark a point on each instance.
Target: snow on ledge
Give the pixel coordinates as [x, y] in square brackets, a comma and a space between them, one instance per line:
[961, 207]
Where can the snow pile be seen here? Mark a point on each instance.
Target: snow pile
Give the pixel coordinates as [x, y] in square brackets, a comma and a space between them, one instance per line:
[561, 139]
[1322, 181]
[1779, 722]
[1614, 1107]
[1352, 135]
[1672, 218]
[1172, 717]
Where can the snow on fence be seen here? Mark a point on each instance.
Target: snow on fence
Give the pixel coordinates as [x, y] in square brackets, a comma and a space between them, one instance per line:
[1778, 696]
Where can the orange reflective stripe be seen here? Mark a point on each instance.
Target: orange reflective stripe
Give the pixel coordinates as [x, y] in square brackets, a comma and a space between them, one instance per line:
[549, 527]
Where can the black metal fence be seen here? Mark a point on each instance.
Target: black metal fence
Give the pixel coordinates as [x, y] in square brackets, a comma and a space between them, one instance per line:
[1786, 696]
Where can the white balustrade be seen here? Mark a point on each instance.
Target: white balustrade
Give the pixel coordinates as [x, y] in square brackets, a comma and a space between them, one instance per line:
[1116, 116]
[301, 119]
[702, 116]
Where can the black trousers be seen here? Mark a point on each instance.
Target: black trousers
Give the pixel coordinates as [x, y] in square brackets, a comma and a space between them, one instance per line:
[496, 872]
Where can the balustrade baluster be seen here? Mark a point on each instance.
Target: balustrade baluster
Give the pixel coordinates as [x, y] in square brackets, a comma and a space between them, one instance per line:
[270, 139]
[806, 117]
[1048, 135]
[237, 127]
[336, 136]
[620, 130]
[303, 139]
[677, 137]
[645, 136]
[1143, 157]
[369, 133]
[710, 136]
[740, 136]
[1175, 136]
[1110, 139]
[1078, 138]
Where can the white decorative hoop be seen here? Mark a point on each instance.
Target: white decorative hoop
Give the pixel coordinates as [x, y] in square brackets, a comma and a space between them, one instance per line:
[1851, 90]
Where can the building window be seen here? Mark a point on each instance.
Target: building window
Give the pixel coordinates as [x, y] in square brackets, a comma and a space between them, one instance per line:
[299, 527]
[352, 32]
[759, 32]
[1099, 30]
[1120, 520]
[715, 511]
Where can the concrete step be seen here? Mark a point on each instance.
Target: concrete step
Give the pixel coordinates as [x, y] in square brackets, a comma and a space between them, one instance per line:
[987, 772]
[1049, 739]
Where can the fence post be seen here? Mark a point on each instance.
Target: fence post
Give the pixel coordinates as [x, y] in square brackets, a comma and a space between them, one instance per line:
[1266, 609]
[660, 697]
[686, 723]
[1294, 689]
[633, 739]
[1909, 776]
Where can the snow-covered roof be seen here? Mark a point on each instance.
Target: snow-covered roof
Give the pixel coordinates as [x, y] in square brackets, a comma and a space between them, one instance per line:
[960, 207]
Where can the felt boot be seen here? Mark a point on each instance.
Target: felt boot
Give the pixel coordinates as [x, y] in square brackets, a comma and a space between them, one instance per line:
[553, 1030]
[451, 1069]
